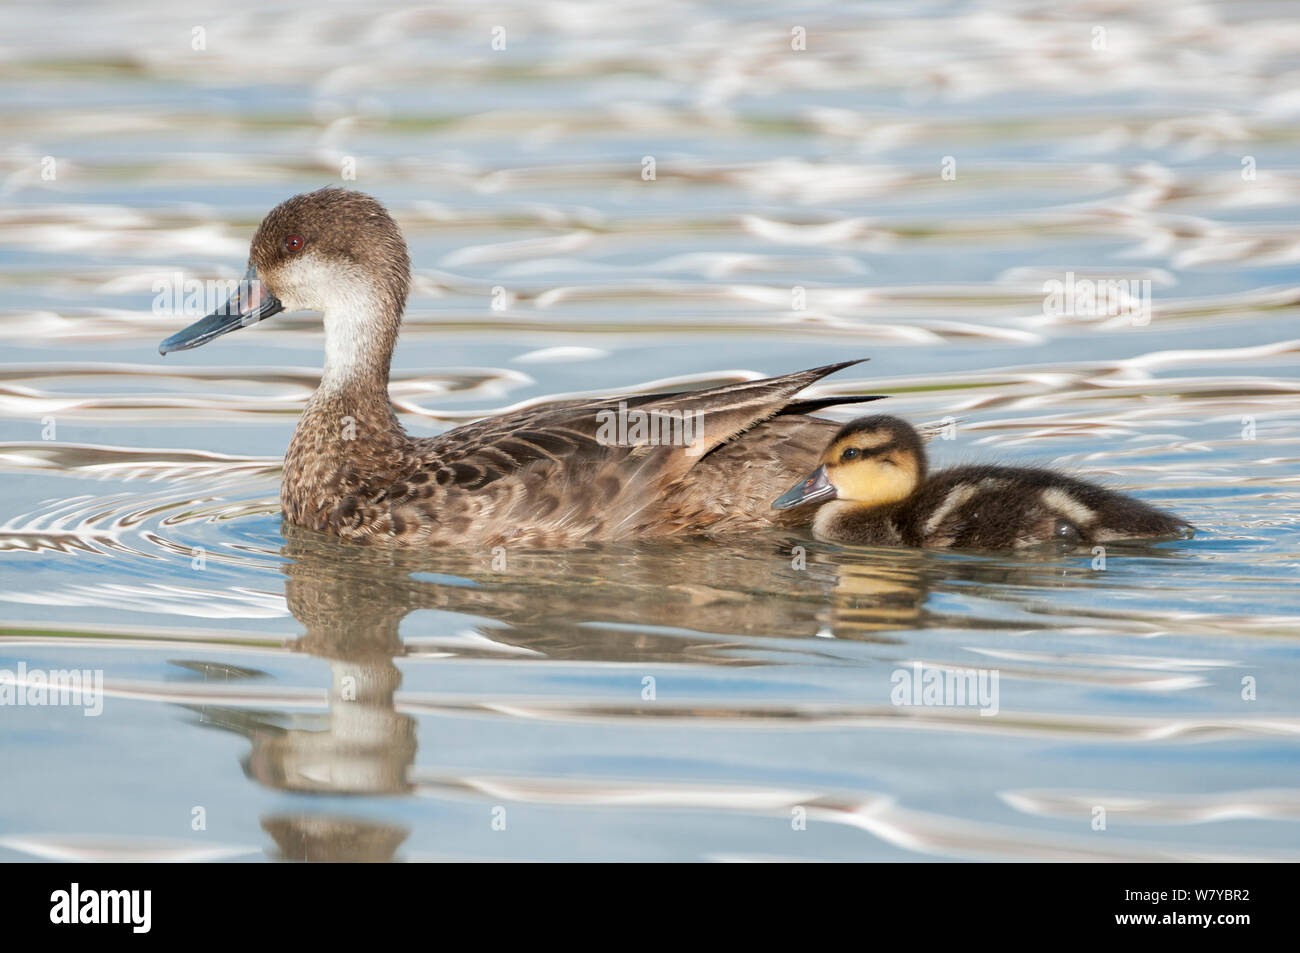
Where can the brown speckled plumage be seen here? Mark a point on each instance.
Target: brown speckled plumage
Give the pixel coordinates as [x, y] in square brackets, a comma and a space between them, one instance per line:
[538, 477]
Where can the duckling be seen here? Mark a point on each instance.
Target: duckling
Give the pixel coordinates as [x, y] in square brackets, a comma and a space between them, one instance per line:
[874, 490]
[542, 476]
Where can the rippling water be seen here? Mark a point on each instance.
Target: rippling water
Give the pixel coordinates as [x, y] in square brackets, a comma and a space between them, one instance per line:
[902, 189]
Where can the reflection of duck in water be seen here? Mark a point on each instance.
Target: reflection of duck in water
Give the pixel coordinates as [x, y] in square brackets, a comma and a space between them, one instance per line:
[326, 838]
[598, 603]
[363, 745]
[705, 461]
[367, 745]
[877, 594]
[874, 490]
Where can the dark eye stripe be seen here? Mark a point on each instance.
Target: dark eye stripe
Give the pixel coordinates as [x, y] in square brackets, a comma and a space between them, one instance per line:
[863, 453]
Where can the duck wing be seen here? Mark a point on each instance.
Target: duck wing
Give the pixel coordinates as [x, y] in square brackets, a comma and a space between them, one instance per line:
[552, 473]
[586, 433]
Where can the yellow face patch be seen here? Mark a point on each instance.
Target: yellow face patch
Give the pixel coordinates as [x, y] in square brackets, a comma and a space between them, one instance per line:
[873, 480]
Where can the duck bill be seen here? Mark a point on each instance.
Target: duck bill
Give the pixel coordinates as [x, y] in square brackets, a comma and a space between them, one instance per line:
[250, 303]
[816, 488]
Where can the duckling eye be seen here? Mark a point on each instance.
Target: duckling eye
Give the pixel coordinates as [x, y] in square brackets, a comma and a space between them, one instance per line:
[294, 243]
[851, 454]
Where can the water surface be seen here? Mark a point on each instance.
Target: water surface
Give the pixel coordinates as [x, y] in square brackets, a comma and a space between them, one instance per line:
[720, 700]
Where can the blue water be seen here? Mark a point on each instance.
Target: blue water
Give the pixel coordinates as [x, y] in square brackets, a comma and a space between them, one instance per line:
[288, 698]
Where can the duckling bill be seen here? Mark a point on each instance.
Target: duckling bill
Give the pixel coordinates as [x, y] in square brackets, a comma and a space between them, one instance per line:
[543, 476]
[874, 489]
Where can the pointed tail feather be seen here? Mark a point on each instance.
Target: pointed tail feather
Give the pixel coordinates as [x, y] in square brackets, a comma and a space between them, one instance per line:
[727, 411]
[814, 404]
[721, 414]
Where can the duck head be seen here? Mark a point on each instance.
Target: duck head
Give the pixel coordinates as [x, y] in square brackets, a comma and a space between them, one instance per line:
[873, 461]
[335, 251]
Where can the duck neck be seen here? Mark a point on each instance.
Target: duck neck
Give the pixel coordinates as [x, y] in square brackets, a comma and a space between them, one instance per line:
[360, 336]
[350, 413]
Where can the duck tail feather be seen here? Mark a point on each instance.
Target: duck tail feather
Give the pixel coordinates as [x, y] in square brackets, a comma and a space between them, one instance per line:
[814, 404]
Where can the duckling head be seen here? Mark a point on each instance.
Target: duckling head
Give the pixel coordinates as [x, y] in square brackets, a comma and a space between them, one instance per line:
[333, 250]
[873, 461]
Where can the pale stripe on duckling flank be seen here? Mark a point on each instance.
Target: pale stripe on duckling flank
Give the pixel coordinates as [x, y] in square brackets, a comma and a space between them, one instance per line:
[1058, 500]
[956, 497]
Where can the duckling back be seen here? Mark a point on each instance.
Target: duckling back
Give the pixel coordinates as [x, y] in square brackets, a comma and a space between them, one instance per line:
[992, 508]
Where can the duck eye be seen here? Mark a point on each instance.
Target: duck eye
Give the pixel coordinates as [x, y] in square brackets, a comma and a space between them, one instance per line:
[294, 243]
[851, 454]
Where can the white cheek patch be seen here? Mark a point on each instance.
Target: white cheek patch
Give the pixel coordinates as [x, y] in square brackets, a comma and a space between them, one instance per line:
[349, 302]
[1059, 501]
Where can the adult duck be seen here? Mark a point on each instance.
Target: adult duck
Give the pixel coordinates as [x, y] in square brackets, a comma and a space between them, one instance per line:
[544, 476]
